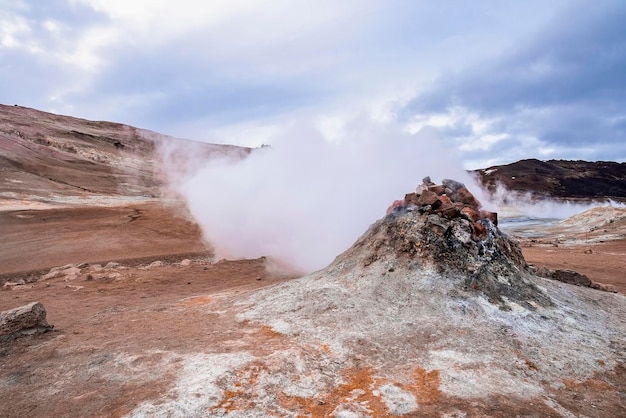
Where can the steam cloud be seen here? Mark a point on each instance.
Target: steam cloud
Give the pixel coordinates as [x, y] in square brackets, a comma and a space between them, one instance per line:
[512, 204]
[306, 198]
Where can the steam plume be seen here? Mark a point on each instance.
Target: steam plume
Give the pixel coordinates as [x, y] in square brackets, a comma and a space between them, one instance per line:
[305, 199]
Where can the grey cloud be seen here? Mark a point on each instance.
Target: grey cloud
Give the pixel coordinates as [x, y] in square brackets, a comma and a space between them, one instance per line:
[580, 57]
[566, 86]
[171, 86]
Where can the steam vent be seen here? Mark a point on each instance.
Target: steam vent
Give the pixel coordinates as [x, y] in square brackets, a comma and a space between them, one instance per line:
[443, 226]
[432, 312]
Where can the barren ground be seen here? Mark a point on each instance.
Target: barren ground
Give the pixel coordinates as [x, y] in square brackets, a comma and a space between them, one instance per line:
[116, 327]
[112, 327]
[156, 332]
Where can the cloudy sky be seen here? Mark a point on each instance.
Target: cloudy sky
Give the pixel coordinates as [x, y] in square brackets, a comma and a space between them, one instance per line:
[495, 81]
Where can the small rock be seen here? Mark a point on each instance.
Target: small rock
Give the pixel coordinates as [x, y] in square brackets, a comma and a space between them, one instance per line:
[438, 189]
[453, 185]
[69, 272]
[492, 216]
[27, 319]
[396, 204]
[464, 196]
[411, 198]
[470, 214]
[185, 262]
[112, 265]
[479, 230]
[420, 189]
[427, 198]
[11, 285]
[157, 263]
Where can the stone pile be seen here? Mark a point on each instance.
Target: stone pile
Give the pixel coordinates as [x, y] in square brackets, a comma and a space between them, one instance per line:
[450, 199]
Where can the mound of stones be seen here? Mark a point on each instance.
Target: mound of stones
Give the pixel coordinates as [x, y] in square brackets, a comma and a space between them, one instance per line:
[449, 200]
[443, 226]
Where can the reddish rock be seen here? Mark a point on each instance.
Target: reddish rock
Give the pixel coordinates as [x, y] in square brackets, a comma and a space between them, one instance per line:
[427, 198]
[445, 200]
[480, 231]
[438, 189]
[411, 198]
[394, 205]
[472, 215]
[492, 216]
[447, 208]
[466, 197]
[448, 200]
[449, 211]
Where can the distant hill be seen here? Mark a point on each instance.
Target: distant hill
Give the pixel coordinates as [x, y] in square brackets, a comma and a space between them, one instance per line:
[44, 156]
[558, 178]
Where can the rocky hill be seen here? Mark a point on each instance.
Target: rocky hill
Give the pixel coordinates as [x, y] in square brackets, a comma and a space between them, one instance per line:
[432, 312]
[558, 178]
[60, 159]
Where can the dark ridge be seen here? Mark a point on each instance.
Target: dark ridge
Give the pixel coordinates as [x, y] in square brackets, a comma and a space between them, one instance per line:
[558, 178]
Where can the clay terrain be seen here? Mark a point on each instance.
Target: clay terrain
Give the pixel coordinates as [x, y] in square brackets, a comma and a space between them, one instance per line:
[434, 311]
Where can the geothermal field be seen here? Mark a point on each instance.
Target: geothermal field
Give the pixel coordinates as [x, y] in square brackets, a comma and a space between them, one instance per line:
[140, 278]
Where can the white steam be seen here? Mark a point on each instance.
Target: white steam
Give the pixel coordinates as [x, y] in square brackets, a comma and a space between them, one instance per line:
[513, 204]
[307, 198]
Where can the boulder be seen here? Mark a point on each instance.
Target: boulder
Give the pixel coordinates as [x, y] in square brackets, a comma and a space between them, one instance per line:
[567, 276]
[25, 320]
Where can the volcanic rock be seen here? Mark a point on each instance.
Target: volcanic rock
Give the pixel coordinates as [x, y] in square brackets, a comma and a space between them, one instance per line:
[421, 316]
[449, 200]
[570, 277]
[427, 198]
[27, 319]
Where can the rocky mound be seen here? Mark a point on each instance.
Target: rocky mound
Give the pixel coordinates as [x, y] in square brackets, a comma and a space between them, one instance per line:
[596, 218]
[432, 312]
[442, 226]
